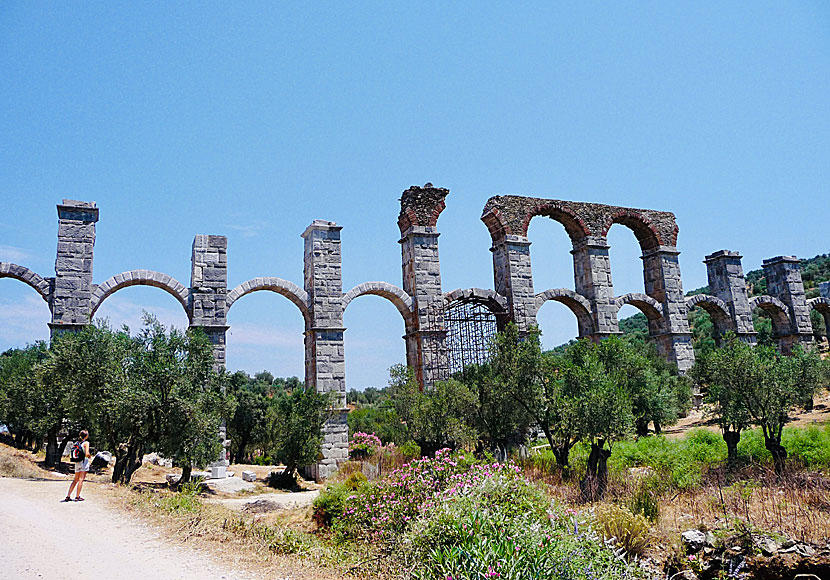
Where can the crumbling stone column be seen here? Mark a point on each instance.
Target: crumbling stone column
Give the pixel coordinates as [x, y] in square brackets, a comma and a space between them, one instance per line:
[661, 273]
[325, 359]
[70, 300]
[209, 289]
[426, 350]
[784, 282]
[513, 278]
[727, 282]
[592, 279]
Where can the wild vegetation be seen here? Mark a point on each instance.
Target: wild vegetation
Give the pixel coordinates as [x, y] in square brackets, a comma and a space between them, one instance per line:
[155, 391]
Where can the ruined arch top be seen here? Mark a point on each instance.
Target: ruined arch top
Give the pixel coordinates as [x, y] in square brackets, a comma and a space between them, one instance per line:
[41, 285]
[138, 278]
[511, 214]
[495, 302]
[820, 304]
[294, 293]
[421, 206]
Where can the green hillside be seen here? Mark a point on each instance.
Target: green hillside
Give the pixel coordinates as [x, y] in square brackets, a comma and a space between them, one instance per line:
[813, 271]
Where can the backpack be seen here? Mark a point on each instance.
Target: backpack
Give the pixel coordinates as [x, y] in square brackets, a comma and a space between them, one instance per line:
[77, 453]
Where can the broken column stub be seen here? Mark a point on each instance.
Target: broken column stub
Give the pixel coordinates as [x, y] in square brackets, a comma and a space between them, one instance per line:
[71, 296]
[426, 350]
[325, 356]
[784, 282]
[207, 302]
[726, 281]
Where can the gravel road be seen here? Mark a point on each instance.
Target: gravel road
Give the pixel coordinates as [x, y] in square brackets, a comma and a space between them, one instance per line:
[39, 538]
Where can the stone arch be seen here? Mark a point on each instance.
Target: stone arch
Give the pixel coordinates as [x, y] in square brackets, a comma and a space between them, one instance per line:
[40, 285]
[511, 215]
[645, 304]
[294, 293]
[644, 229]
[777, 311]
[138, 278]
[577, 303]
[716, 308]
[821, 305]
[401, 300]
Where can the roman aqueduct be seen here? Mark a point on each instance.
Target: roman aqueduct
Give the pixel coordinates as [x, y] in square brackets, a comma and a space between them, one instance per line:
[445, 330]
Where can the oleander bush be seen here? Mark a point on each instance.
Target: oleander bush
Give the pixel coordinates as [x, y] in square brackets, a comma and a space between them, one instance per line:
[453, 516]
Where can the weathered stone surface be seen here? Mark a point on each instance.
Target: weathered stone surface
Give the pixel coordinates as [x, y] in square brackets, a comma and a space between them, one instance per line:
[511, 214]
[73, 298]
[726, 282]
[248, 476]
[784, 282]
[425, 331]
[693, 540]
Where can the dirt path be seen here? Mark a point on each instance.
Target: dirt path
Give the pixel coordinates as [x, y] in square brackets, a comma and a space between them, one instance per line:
[39, 535]
[275, 501]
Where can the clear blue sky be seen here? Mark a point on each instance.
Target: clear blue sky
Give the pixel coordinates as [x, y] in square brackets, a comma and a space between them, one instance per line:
[253, 121]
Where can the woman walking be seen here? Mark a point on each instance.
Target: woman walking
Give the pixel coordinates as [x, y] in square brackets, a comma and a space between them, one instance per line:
[81, 467]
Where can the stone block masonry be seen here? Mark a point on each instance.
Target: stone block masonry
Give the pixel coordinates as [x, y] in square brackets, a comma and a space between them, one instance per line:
[422, 303]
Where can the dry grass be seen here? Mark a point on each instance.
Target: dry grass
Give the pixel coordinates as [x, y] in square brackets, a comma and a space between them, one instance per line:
[21, 464]
[273, 545]
[797, 507]
[699, 419]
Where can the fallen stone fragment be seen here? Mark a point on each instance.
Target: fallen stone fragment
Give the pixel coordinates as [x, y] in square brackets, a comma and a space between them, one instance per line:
[693, 540]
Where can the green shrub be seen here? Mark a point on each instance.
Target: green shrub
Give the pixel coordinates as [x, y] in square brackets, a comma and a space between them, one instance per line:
[328, 506]
[355, 480]
[185, 500]
[465, 543]
[630, 530]
[283, 480]
[410, 450]
[810, 446]
[680, 463]
[645, 499]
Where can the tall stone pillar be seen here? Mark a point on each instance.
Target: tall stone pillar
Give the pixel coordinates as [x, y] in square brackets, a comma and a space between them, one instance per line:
[513, 278]
[208, 311]
[727, 282]
[592, 279]
[426, 349]
[784, 282]
[209, 289]
[70, 303]
[325, 360]
[661, 273]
